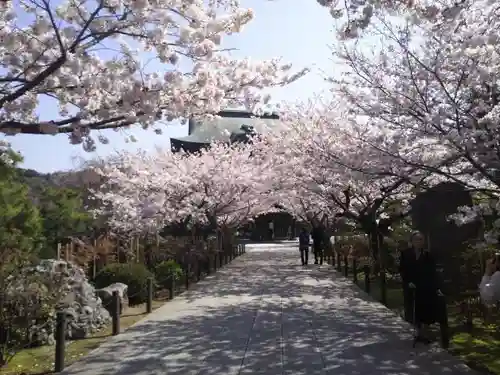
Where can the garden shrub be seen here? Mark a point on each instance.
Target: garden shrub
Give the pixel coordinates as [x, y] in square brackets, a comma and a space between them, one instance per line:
[165, 269]
[135, 275]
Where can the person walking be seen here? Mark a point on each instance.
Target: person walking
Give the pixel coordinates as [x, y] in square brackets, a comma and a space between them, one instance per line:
[271, 231]
[304, 241]
[420, 286]
[318, 237]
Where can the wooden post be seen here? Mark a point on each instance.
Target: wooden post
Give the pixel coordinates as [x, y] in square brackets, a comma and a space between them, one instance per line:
[149, 302]
[60, 336]
[130, 248]
[171, 288]
[157, 243]
[94, 265]
[443, 325]
[354, 270]
[138, 249]
[116, 313]
[366, 270]
[383, 287]
[198, 269]
[208, 265]
[482, 262]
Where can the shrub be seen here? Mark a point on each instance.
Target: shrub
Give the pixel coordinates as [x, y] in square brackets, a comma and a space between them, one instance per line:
[135, 275]
[165, 269]
[27, 302]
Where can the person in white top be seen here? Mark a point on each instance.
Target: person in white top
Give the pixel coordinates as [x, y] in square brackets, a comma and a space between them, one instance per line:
[489, 288]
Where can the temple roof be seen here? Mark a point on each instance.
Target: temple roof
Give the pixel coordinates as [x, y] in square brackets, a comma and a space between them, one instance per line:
[221, 128]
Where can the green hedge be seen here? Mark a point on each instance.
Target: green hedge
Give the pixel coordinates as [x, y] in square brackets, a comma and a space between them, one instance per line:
[135, 275]
[164, 271]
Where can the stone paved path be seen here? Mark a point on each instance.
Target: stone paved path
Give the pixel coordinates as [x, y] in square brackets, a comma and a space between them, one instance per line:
[265, 314]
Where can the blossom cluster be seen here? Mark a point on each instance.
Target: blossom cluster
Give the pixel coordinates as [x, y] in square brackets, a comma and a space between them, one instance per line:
[115, 63]
[428, 92]
[223, 185]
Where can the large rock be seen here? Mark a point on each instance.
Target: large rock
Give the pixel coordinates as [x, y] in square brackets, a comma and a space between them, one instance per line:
[70, 291]
[106, 295]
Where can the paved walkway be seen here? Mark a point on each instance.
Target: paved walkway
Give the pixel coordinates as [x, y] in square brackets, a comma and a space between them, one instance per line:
[265, 314]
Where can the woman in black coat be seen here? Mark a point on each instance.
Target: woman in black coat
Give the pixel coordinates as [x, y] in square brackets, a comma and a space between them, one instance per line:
[420, 286]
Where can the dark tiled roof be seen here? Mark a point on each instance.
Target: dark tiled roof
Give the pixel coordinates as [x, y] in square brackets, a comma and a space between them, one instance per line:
[220, 129]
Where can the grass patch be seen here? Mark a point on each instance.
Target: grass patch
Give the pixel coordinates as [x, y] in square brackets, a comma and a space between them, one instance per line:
[480, 349]
[479, 345]
[40, 360]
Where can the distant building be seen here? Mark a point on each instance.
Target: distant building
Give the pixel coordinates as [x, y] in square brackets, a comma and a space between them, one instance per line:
[236, 126]
[229, 126]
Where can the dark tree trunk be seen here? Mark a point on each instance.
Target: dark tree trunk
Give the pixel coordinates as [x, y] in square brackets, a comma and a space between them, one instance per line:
[4, 333]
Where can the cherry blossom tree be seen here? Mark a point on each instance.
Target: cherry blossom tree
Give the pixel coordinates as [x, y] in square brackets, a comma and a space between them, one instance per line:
[92, 59]
[431, 90]
[297, 190]
[437, 111]
[222, 186]
[340, 169]
[358, 16]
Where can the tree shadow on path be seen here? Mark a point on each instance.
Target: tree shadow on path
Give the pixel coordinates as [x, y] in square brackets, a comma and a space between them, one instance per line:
[265, 315]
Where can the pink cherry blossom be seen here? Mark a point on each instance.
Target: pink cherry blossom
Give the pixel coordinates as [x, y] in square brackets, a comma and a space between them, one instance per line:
[224, 186]
[93, 60]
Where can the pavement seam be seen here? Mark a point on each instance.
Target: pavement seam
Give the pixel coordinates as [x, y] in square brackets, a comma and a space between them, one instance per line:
[282, 338]
[257, 310]
[316, 341]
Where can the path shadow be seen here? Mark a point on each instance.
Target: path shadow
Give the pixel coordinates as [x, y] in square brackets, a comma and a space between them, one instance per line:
[264, 315]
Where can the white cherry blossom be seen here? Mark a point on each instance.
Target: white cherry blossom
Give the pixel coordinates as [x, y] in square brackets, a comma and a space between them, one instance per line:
[92, 59]
[222, 186]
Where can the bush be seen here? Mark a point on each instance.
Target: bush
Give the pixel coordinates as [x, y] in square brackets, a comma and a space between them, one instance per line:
[135, 275]
[165, 269]
[27, 305]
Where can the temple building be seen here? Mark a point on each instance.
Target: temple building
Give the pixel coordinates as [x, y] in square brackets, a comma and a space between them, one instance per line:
[229, 126]
[236, 126]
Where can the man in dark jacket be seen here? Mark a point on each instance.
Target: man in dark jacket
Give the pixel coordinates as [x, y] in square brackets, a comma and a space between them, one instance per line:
[318, 237]
[304, 240]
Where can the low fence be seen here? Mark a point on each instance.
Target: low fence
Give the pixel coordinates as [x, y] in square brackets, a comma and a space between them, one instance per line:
[202, 267]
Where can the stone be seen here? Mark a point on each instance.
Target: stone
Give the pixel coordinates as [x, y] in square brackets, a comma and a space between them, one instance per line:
[106, 295]
[70, 292]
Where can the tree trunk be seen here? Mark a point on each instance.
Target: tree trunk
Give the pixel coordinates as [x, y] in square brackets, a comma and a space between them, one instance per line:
[4, 334]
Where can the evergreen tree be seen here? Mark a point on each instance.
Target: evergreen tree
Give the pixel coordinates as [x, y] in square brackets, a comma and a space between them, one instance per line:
[63, 216]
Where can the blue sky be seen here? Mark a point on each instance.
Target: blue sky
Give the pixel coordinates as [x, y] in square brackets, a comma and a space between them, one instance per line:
[299, 32]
